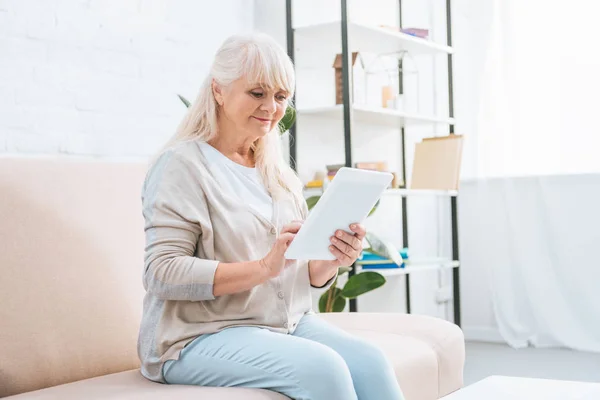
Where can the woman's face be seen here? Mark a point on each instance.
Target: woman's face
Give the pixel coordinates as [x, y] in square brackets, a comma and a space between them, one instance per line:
[249, 108]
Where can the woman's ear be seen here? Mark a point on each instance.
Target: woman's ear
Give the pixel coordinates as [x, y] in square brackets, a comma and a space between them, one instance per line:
[217, 92]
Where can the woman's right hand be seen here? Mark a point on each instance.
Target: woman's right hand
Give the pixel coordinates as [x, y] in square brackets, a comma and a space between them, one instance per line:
[274, 262]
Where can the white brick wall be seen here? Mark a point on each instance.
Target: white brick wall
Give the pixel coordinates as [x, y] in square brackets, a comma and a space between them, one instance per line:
[101, 77]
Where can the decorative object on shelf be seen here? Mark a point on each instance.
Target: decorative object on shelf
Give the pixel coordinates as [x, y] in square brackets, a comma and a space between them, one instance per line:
[417, 32]
[396, 102]
[369, 260]
[395, 182]
[284, 125]
[334, 299]
[437, 163]
[357, 79]
[382, 80]
[387, 96]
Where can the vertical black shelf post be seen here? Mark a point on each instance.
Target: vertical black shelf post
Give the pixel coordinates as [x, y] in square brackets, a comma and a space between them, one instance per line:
[347, 108]
[453, 200]
[403, 151]
[290, 51]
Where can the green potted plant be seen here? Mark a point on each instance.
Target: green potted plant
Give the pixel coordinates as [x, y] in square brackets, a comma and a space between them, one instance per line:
[334, 299]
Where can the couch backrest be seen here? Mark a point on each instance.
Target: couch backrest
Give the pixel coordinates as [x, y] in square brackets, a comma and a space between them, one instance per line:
[71, 259]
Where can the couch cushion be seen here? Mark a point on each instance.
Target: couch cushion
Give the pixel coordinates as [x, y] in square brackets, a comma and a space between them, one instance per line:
[427, 354]
[71, 263]
[131, 385]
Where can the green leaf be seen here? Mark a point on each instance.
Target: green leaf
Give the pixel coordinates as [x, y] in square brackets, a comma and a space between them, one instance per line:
[374, 208]
[184, 100]
[339, 301]
[312, 201]
[343, 270]
[288, 119]
[362, 283]
[384, 248]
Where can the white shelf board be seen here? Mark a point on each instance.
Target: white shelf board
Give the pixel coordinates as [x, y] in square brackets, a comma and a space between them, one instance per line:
[420, 192]
[365, 38]
[414, 266]
[396, 192]
[376, 116]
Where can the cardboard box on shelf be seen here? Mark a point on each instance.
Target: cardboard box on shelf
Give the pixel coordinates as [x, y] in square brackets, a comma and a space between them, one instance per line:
[437, 163]
[357, 79]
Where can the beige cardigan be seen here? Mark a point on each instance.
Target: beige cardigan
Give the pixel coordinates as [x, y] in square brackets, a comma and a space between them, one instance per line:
[191, 224]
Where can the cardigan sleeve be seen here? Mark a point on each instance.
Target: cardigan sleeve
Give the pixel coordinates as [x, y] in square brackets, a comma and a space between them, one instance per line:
[174, 209]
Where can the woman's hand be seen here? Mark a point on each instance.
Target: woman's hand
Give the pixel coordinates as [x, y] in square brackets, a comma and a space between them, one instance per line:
[274, 262]
[346, 247]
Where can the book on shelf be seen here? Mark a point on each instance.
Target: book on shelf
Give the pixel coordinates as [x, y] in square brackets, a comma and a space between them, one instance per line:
[437, 163]
[418, 32]
[332, 169]
[373, 165]
[368, 260]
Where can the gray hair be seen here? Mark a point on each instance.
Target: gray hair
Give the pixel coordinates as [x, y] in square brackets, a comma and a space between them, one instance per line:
[260, 59]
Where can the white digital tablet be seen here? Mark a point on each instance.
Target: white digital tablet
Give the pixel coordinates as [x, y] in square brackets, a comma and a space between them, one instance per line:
[349, 198]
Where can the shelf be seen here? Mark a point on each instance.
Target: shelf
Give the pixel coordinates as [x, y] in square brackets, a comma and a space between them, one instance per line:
[397, 192]
[420, 192]
[414, 266]
[364, 38]
[376, 116]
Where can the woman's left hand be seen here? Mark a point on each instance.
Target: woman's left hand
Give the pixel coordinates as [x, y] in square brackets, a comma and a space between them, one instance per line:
[346, 247]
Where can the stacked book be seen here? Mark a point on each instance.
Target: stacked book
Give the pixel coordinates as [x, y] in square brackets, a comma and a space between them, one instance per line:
[368, 260]
[332, 169]
[373, 166]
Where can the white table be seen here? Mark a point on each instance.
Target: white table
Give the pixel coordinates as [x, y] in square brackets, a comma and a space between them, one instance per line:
[510, 388]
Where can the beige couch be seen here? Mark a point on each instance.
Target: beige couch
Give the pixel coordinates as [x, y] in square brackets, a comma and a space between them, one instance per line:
[71, 232]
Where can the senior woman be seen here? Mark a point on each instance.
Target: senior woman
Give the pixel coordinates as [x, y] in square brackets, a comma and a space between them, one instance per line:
[223, 307]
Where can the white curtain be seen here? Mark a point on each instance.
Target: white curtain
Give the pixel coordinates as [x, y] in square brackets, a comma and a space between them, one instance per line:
[540, 89]
[536, 152]
[538, 239]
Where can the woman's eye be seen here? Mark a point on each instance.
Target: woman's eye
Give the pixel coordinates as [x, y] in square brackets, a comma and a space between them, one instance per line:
[282, 98]
[258, 95]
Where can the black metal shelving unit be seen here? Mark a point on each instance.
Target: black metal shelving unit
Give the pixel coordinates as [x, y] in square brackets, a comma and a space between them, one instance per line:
[347, 118]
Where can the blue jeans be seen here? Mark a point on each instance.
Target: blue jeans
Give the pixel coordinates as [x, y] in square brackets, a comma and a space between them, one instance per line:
[317, 362]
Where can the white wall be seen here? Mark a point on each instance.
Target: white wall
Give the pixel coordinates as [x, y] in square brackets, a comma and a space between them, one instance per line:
[100, 77]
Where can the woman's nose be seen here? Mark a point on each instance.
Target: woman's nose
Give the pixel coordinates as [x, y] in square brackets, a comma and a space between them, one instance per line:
[269, 105]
